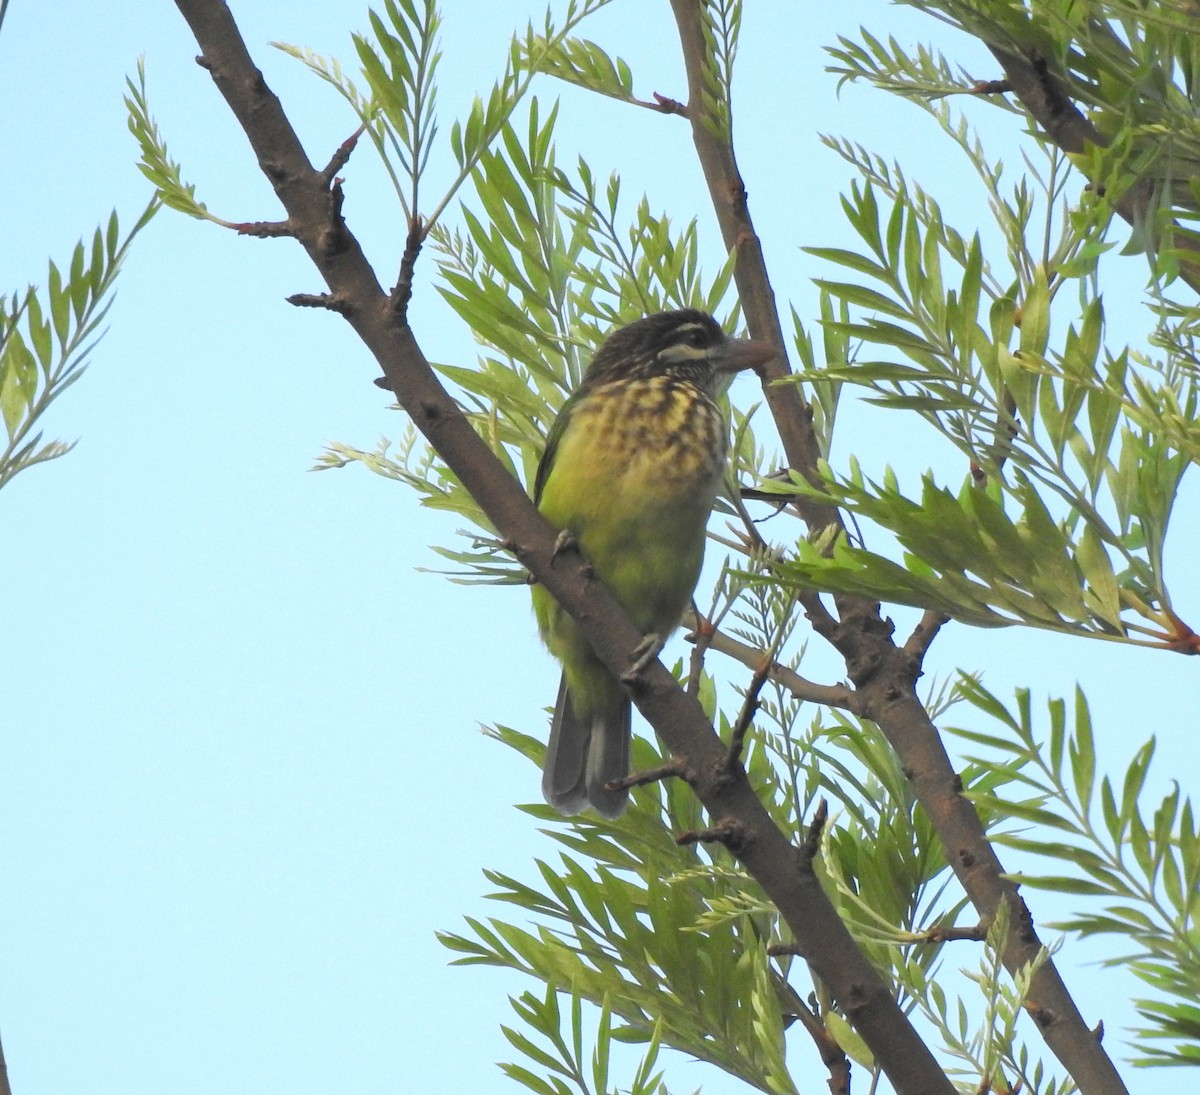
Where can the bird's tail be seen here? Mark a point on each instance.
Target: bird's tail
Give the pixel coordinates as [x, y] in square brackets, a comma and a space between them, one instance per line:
[584, 754]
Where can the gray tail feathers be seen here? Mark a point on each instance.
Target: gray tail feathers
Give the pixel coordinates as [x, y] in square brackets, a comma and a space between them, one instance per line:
[584, 755]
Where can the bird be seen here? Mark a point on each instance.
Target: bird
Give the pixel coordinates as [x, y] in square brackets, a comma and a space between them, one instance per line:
[631, 469]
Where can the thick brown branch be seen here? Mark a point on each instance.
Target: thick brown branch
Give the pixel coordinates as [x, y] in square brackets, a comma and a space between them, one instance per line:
[885, 676]
[792, 415]
[889, 699]
[736, 812]
[1043, 96]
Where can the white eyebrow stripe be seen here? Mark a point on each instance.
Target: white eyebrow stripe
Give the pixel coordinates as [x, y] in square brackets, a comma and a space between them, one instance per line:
[681, 351]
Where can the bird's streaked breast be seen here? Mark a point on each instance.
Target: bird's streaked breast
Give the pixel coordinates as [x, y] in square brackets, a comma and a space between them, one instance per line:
[664, 432]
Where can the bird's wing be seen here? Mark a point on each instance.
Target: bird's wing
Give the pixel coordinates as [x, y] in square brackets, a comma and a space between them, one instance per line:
[557, 429]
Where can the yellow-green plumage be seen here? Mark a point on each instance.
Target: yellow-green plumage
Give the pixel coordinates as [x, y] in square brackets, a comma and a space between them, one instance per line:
[632, 468]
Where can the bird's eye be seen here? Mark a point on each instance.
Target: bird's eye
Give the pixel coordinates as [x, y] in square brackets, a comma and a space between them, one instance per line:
[689, 342]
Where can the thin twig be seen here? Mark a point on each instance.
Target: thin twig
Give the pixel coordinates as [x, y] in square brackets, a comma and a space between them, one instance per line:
[741, 725]
[672, 769]
[777, 950]
[321, 300]
[730, 833]
[991, 87]
[666, 105]
[402, 293]
[264, 229]
[341, 156]
[924, 633]
[332, 239]
[833, 1057]
[811, 845]
[829, 695]
[700, 637]
[976, 933]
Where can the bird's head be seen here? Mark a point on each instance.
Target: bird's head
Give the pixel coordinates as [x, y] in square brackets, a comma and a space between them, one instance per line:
[688, 344]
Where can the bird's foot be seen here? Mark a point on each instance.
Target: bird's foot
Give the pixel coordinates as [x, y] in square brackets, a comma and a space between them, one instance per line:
[565, 542]
[643, 654]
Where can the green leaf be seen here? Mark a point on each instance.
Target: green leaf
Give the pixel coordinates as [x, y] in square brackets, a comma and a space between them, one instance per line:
[60, 306]
[583, 63]
[985, 701]
[1082, 752]
[1103, 595]
[1027, 812]
[889, 334]
[1063, 884]
[532, 1051]
[850, 259]
[18, 380]
[1135, 779]
[863, 297]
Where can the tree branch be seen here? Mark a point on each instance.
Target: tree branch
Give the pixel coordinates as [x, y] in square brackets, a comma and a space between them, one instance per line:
[833, 1057]
[793, 417]
[1041, 94]
[885, 676]
[341, 156]
[828, 695]
[888, 698]
[924, 633]
[765, 852]
[745, 719]
[5, 1088]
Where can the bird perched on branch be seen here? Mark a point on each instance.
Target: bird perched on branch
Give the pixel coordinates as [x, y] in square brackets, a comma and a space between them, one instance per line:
[632, 467]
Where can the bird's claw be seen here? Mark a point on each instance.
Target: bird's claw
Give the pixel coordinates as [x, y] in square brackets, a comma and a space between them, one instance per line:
[565, 541]
[643, 654]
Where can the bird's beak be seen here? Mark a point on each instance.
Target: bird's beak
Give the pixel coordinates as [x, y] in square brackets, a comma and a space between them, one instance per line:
[737, 354]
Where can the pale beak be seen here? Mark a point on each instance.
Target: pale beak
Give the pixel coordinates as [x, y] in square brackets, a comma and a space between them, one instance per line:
[737, 354]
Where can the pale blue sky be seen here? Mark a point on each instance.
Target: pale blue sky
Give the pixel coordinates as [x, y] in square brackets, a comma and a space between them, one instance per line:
[241, 780]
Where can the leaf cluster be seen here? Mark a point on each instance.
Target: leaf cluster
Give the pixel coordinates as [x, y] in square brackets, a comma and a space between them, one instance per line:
[721, 21]
[1136, 863]
[1130, 66]
[1087, 441]
[666, 937]
[564, 1060]
[155, 161]
[46, 336]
